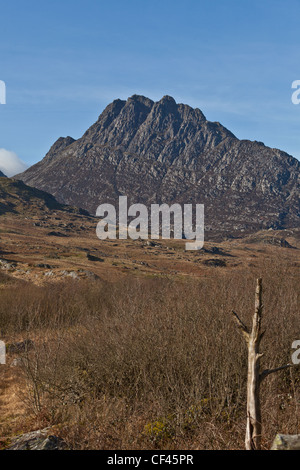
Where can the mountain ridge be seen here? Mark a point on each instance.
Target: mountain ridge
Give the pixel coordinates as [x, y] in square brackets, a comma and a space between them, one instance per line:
[162, 151]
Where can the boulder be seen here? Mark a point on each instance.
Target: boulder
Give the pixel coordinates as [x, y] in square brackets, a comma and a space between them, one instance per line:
[286, 442]
[37, 440]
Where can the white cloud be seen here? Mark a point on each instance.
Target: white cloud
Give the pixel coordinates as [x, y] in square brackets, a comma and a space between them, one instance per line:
[10, 163]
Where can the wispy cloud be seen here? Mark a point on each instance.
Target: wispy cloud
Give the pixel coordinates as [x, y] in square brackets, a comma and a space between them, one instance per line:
[10, 163]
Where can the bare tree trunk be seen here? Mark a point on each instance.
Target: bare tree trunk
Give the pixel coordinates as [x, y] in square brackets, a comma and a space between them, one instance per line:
[253, 429]
[254, 379]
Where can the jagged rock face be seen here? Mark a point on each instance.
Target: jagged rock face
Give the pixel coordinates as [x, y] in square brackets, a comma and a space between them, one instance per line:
[156, 152]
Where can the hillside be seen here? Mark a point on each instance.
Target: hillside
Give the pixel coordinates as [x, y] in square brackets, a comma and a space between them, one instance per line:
[43, 240]
[20, 199]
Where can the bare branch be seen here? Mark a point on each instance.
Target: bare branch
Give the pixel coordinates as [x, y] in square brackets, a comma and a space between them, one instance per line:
[241, 326]
[267, 372]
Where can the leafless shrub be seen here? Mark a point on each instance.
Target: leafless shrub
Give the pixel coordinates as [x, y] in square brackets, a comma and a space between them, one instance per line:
[155, 363]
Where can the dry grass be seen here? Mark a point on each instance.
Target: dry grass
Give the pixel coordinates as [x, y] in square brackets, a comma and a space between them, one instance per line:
[152, 363]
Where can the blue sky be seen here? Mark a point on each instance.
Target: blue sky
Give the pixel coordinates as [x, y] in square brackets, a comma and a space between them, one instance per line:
[64, 61]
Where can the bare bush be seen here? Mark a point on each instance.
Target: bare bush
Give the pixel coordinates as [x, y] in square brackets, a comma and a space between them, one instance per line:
[154, 363]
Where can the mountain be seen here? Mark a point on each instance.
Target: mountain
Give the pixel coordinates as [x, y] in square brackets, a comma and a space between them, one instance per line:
[16, 198]
[2, 175]
[157, 152]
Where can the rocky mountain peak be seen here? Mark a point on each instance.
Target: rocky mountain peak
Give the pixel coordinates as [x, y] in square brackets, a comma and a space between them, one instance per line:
[167, 102]
[141, 99]
[167, 152]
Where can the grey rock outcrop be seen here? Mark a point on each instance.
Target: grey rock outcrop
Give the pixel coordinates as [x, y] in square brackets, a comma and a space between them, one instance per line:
[37, 440]
[286, 442]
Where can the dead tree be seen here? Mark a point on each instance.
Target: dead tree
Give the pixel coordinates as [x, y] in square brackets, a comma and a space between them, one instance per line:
[255, 377]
